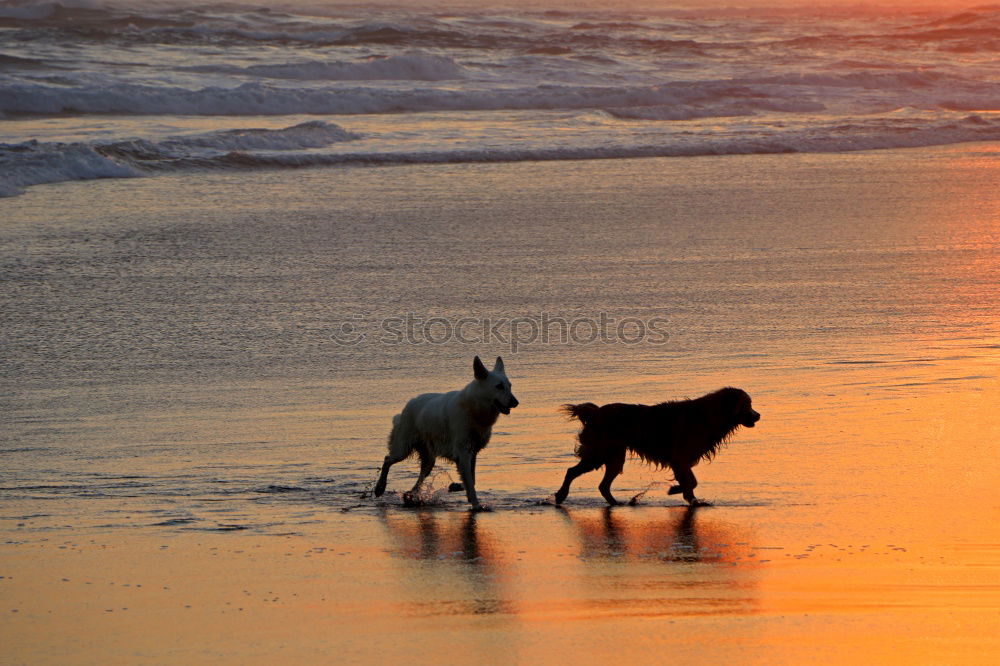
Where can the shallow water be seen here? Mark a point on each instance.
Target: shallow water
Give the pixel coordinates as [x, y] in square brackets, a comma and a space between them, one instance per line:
[177, 393]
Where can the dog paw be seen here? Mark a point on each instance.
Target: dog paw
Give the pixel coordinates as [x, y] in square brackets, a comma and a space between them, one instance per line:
[674, 490]
[410, 499]
[481, 507]
[698, 502]
[455, 487]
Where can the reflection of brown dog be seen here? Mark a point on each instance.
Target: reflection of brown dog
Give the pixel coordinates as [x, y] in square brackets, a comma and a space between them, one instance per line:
[671, 434]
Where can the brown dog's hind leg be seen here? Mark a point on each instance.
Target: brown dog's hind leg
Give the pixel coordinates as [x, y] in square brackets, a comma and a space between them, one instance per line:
[572, 473]
[612, 468]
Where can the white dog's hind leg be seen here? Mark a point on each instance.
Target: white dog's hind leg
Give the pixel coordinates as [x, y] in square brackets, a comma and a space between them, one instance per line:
[427, 460]
[399, 449]
[388, 462]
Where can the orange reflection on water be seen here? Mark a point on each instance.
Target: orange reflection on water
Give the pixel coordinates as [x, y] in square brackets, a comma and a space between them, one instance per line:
[680, 535]
[561, 564]
[461, 567]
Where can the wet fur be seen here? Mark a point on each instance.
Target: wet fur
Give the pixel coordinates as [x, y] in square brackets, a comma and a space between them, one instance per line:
[676, 434]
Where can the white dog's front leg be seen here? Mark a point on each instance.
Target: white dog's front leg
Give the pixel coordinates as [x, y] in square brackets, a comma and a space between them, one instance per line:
[467, 470]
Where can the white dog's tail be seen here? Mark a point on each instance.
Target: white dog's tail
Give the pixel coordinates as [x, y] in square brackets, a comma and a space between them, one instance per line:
[400, 439]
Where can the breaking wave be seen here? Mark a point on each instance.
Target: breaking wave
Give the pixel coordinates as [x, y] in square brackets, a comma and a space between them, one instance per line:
[33, 162]
[474, 84]
[784, 93]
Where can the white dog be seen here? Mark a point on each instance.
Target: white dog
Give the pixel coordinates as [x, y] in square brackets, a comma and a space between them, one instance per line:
[454, 425]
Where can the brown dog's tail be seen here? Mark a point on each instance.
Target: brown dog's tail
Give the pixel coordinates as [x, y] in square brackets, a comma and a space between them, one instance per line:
[585, 411]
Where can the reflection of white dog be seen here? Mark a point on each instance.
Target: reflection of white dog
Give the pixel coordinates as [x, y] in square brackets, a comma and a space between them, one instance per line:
[456, 425]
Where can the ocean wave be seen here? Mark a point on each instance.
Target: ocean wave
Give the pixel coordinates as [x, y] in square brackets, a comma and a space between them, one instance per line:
[839, 138]
[232, 23]
[263, 99]
[73, 14]
[35, 163]
[982, 16]
[793, 92]
[32, 163]
[235, 24]
[16, 62]
[411, 66]
[608, 25]
[329, 34]
[975, 29]
[312, 134]
[867, 80]
[616, 80]
[745, 107]
[30, 11]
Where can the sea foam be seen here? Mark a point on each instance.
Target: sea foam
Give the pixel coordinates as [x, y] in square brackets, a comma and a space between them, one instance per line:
[474, 84]
[321, 144]
[34, 162]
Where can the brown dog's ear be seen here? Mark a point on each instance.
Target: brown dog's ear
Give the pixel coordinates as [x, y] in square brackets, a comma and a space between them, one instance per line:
[734, 400]
[479, 369]
[498, 366]
[742, 402]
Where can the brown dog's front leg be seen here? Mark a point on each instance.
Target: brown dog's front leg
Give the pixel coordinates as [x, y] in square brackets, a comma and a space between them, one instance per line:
[572, 473]
[686, 483]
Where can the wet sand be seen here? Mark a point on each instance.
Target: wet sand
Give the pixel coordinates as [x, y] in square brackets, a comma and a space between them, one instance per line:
[857, 580]
[217, 515]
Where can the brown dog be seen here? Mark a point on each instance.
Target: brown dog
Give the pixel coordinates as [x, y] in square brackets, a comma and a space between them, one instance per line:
[671, 434]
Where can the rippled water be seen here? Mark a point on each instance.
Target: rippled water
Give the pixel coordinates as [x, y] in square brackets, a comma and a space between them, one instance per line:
[188, 363]
[192, 418]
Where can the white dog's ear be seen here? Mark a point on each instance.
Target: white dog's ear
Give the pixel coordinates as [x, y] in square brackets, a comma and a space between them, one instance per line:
[498, 366]
[479, 369]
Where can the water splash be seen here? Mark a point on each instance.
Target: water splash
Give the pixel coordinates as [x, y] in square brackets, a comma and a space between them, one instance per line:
[642, 493]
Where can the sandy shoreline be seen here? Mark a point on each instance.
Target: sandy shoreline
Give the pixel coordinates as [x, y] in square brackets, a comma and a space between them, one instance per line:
[184, 487]
[651, 579]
